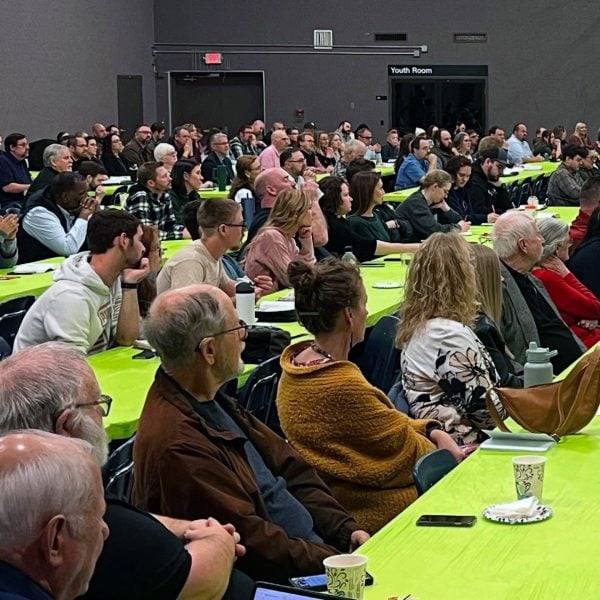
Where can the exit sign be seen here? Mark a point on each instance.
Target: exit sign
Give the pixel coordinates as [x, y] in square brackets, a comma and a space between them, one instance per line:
[213, 58]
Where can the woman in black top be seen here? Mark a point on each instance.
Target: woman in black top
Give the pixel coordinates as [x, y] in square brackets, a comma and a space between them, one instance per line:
[324, 152]
[113, 162]
[336, 203]
[186, 182]
[242, 187]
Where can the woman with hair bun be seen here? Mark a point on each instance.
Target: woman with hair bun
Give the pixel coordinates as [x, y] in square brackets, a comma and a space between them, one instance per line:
[446, 370]
[363, 447]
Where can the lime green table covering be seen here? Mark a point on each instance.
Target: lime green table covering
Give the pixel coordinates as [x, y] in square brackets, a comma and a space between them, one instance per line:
[551, 559]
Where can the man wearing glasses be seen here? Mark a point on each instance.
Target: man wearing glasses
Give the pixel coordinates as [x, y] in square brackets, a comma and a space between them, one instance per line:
[137, 151]
[146, 557]
[199, 453]
[221, 226]
[218, 157]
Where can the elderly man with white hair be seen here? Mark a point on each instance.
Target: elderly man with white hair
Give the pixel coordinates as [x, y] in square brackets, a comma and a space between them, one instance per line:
[528, 313]
[51, 516]
[51, 387]
[57, 159]
[352, 150]
[218, 157]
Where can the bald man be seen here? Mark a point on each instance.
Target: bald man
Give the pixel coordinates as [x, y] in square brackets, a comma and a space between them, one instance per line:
[51, 524]
[197, 452]
[269, 157]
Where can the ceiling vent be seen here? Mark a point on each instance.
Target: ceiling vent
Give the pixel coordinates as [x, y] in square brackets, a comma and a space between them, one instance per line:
[470, 38]
[323, 39]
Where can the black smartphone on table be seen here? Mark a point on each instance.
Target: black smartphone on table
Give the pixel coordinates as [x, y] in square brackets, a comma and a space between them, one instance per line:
[446, 520]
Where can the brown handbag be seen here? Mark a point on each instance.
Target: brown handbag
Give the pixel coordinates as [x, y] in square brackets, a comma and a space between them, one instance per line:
[558, 409]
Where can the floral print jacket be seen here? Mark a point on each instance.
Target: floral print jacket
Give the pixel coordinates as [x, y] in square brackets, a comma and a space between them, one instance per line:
[446, 372]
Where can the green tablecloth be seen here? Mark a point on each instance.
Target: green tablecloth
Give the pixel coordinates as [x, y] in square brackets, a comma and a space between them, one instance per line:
[550, 559]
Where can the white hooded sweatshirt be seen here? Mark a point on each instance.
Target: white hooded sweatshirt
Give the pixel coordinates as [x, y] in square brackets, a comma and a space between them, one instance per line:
[79, 309]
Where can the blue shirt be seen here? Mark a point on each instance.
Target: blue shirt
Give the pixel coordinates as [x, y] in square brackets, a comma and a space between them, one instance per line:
[12, 171]
[15, 585]
[517, 150]
[411, 171]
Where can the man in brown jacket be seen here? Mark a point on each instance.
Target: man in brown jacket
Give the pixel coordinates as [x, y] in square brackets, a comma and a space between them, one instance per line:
[199, 453]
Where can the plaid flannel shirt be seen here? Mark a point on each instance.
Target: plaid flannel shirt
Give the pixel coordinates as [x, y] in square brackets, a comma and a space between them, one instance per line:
[152, 209]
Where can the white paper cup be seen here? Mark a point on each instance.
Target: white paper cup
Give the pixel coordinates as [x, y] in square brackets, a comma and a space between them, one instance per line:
[346, 575]
[529, 476]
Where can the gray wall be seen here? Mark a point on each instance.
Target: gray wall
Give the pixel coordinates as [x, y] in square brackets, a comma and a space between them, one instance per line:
[60, 61]
[541, 54]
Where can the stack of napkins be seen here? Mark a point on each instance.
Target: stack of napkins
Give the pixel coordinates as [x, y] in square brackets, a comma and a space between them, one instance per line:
[514, 510]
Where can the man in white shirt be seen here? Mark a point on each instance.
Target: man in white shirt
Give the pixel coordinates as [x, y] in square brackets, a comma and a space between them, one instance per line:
[365, 135]
[56, 219]
[518, 149]
[93, 301]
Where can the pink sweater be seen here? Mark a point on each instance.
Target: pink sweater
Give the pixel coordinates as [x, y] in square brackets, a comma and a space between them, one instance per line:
[271, 252]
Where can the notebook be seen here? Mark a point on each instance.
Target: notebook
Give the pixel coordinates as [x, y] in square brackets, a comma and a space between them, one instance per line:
[517, 442]
[34, 268]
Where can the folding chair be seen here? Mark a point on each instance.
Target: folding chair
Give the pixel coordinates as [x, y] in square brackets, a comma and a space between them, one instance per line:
[429, 469]
[117, 473]
[12, 313]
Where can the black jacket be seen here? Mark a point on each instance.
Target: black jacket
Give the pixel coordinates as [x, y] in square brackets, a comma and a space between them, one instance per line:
[485, 197]
[211, 162]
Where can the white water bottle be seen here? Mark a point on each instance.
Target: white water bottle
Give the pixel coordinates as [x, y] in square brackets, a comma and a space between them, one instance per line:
[244, 302]
[349, 257]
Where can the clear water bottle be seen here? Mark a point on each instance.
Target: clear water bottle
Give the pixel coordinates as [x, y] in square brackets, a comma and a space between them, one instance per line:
[349, 257]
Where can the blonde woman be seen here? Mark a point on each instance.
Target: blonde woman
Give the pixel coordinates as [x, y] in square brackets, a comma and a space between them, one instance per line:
[274, 247]
[446, 370]
[337, 145]
[489, 314]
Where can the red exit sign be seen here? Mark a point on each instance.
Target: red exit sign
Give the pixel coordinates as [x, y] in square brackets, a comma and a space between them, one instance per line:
[213, 58]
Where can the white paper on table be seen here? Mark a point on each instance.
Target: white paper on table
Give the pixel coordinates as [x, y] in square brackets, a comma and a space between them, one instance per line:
[34, 268]
[275, 306]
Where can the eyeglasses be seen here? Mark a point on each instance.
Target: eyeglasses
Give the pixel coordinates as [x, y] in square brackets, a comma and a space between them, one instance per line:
[298, 160]
[104, 402]
[242, 225]
[243, 327]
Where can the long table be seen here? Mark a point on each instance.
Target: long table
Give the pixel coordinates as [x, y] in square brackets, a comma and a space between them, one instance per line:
[547, 168]
[127, 380]
[551, 559]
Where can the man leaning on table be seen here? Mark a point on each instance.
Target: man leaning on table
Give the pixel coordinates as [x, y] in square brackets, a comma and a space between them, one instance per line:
[519, 151]
[93, 300]
[198, 453]
[55, 220]
[564, 185]
[146, 557]
[221, 225]
[416, 165]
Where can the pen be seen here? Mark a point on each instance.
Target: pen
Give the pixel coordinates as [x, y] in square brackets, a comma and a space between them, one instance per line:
[7, 277]
[493, 209]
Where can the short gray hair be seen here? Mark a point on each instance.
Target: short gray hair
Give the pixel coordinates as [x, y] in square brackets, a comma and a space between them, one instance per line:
[162, 150]
[352, 146]
[177, 321]
[53, 478]
[52, 152]
[555, 233]
[508, 230]
[38, 383]
[215, 136]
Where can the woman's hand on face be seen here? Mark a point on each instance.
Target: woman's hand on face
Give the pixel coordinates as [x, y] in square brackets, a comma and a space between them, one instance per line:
[305, 232]
[557, 266]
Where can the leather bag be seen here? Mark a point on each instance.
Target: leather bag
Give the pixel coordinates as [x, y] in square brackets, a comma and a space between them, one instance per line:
[561, 408]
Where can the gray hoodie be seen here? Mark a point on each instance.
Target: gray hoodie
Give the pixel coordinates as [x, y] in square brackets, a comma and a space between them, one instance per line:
[78, 309]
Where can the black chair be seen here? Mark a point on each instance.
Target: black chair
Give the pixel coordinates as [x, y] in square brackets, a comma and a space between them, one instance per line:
[5, 349]
[12, 313]
[380, 360]
[36, 153]
[118, 197]
[429, 469]
[259, 393]
[117, 473]
[540, 188]
[524, 191]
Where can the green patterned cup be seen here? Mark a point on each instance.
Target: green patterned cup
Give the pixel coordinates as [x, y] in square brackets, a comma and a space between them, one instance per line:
[346, 575]
[529, 476]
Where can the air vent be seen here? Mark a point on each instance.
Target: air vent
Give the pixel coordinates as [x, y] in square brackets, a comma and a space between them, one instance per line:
[390, 37]
[323, 39]
[470, 38]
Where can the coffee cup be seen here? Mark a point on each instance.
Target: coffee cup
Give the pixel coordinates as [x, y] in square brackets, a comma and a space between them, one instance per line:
[529, 476]
[346, 575]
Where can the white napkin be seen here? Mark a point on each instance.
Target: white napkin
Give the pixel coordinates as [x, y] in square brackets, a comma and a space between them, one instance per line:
[515, 510]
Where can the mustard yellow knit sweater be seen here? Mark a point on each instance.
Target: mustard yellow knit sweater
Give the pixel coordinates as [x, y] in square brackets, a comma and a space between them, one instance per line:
[363, 447]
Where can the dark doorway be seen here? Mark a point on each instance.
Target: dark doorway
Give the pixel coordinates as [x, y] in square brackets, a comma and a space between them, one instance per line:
[217, 99]
[441, 102]
[130, 103]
